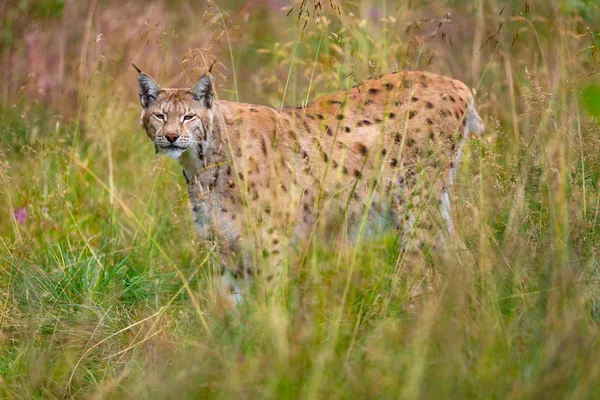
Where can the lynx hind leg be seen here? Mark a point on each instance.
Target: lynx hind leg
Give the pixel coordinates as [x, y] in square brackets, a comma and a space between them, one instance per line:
[448, 237]
[424, 226]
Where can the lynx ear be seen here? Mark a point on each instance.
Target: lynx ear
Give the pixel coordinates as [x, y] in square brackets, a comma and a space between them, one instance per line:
[148, 89]
[203, 91]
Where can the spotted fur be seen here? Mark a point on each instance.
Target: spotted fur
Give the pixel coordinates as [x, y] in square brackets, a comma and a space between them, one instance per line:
[381, 155]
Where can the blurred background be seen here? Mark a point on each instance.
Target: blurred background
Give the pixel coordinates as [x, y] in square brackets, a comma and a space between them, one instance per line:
[52, 50]
[105, 291]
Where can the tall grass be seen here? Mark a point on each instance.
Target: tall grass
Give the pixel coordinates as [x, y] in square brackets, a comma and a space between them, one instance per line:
[106, 291]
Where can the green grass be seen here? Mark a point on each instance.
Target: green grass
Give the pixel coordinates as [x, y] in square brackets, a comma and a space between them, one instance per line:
[106, 291]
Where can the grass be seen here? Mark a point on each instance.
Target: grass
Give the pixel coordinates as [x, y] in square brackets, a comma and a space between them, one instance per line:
[106, 292]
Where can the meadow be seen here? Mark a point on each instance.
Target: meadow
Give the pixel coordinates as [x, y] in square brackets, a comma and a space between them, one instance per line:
[106, 291]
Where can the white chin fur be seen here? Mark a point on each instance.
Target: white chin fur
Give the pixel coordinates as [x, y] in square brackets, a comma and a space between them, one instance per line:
[172, 153]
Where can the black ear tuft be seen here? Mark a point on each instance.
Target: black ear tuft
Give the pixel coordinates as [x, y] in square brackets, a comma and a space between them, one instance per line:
[203, 91]
[148, 89]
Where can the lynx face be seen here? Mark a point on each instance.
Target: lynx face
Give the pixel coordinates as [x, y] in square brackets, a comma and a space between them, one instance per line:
[174, 119]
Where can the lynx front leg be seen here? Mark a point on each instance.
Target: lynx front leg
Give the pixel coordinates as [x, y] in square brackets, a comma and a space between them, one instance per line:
[226, 283]
[418, 245]
[258, 260]
[229, 289]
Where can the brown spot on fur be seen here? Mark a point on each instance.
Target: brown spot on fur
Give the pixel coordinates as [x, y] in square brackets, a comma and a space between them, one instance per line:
[357, 174]
[429, 121]
[253, 110]
[329, 131]
[397, 137]
[340, 117]
[305, 124]
[391, 115]
[320, 116]
[373, 91]
[388, 86]
[411, 114]
[253, 168]
[263, 145]
[452, 99]
[383, 152]
[345, 170]
[362, 149]
[369, 101]
[429, 104]
[394, 162]
[414, 99]
[333, 102]
[364, 122]
[347, 129]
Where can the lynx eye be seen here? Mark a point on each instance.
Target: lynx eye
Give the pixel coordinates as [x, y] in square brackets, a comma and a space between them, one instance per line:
[188, 117]
[160, 117]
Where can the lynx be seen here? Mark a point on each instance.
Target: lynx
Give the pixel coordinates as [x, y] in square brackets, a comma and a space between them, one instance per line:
[378, 156]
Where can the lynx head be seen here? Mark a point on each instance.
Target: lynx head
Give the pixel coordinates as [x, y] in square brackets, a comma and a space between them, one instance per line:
[175, 119]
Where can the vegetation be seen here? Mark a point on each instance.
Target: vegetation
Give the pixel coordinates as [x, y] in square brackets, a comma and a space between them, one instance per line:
[106, 292]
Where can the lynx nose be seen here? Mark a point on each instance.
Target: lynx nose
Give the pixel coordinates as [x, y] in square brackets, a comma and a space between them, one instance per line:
[171, 137]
